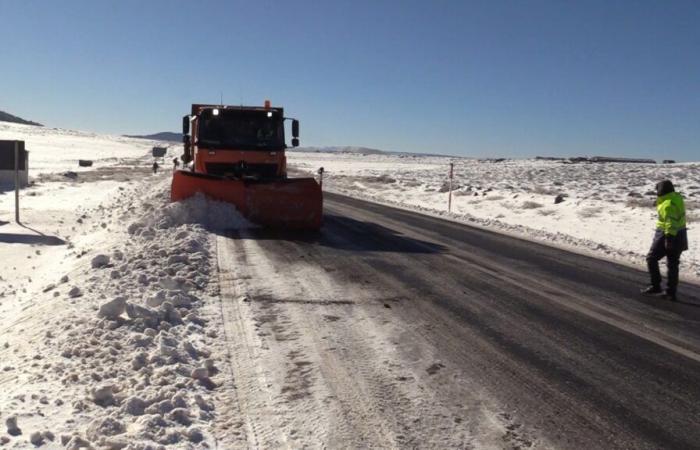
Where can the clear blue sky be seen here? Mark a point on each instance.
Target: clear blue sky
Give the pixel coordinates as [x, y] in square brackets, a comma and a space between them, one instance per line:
[489, 78]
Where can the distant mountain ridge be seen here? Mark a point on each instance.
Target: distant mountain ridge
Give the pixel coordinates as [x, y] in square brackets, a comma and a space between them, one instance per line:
[340, 149]
[361, 151]
[168, 136]
[7, 117]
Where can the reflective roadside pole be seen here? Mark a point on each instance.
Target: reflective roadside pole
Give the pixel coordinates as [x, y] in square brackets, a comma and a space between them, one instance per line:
[17, 181]
[449, 195]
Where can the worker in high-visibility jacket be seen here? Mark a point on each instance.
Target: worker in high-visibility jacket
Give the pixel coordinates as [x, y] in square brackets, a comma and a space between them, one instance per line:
[670, 239]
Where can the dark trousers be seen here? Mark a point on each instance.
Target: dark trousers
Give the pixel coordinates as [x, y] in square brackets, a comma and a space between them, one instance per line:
[658, 251]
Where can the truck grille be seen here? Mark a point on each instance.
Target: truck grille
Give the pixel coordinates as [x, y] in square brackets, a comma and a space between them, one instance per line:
[239, 170]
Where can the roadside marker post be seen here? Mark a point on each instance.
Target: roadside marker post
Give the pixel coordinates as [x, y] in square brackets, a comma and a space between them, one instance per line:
[449, 196]
[320, 177]
[17, 181]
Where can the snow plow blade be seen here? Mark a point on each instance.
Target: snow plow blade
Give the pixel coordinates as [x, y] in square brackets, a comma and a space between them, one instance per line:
[286, 203]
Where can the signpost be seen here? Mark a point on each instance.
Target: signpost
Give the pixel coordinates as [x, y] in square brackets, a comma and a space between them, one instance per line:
[159, 152]
[14, 163]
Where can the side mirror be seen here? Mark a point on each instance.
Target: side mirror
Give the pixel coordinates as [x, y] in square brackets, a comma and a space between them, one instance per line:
[186, 125]
[295, 142]
[295, 129]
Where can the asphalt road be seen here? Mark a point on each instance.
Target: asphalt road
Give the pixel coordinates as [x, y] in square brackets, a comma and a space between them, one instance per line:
[560, 348]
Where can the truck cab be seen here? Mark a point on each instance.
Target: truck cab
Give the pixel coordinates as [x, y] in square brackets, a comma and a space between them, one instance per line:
[239, 142]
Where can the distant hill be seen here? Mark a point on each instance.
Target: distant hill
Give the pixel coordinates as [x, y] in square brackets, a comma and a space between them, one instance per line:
[163, 136]
[360, 151]
[6, 117]
[346, 149]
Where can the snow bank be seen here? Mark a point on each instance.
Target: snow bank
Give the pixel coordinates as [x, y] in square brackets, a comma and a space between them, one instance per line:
[211, 214]
[119, 350]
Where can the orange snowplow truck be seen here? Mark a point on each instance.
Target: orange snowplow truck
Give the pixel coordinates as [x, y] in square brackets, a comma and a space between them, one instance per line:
[236, 154]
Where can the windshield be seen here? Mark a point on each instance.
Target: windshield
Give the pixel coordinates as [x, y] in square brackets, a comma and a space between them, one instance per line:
[247, 130]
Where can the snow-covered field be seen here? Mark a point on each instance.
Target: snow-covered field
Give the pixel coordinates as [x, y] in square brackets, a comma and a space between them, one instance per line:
[108, 335]
[607, 209]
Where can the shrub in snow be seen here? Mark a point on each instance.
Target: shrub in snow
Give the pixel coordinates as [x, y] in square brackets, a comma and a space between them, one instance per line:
[195, 435]
[12, 428]
[36, 438]
[99, 261]
[75, 292]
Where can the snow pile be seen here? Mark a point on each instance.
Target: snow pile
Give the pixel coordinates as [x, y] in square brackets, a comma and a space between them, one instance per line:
[122, 348]
[148, 359]
[211, 214]
[602, 209]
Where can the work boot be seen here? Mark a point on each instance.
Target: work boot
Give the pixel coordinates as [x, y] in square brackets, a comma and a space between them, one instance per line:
[670, 296]
[652, 290]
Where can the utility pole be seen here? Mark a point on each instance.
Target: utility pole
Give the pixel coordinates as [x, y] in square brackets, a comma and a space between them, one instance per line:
[449, 196]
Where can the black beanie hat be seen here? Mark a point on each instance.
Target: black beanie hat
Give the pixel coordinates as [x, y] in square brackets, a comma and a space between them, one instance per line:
[664, 187]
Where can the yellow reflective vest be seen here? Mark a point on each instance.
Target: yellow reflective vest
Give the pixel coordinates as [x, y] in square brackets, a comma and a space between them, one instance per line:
[671, 213]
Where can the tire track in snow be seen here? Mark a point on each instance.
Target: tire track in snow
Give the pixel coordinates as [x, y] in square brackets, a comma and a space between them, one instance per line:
[355, 390]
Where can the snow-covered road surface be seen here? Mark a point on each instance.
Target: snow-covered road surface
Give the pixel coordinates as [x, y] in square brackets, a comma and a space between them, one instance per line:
[396, 330]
